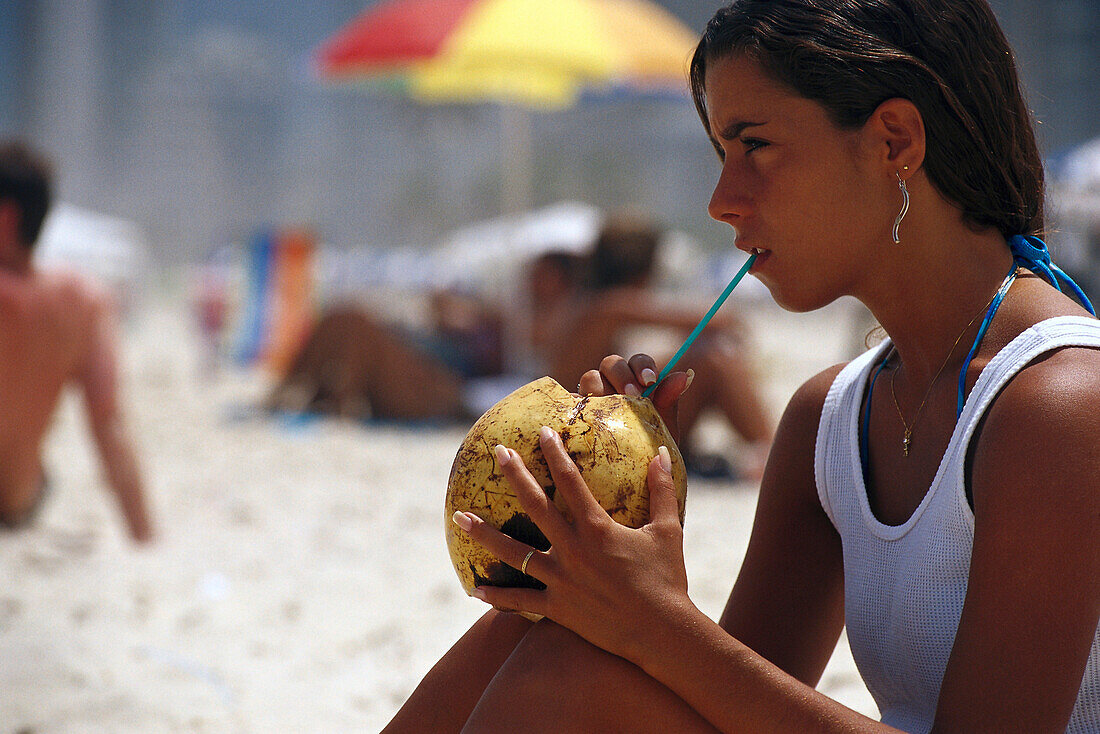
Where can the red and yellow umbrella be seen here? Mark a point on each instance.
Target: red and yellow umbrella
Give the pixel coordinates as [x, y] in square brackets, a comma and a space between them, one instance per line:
[533, 53]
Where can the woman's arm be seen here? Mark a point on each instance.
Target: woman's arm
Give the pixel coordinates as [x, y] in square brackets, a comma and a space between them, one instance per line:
[625, 590]
[1033, 597]
[788, 602]
[786, 609]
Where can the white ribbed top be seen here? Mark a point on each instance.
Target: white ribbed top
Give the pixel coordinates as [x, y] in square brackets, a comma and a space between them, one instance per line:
[904, 585]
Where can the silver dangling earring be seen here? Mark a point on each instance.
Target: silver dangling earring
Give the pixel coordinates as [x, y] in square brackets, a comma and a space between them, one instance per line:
[904, 204]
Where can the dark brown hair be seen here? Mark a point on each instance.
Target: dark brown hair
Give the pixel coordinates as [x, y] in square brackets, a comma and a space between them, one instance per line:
[25, 179]
[948, 57]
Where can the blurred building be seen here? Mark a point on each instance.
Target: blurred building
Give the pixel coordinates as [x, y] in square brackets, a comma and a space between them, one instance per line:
[200, 120]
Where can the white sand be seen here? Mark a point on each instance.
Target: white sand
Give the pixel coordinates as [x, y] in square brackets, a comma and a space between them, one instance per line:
[300, 582]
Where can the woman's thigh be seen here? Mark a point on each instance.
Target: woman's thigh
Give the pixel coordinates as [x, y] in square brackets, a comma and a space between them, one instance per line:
[444, 699]
[555, 681]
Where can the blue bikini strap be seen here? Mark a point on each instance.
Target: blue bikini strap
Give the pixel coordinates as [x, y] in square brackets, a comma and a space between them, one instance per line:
[1027, 252]
[1032, 253]
[989, 313]
[864, 438]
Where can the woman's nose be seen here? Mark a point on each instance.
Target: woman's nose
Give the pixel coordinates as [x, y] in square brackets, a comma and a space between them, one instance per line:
[729, 200]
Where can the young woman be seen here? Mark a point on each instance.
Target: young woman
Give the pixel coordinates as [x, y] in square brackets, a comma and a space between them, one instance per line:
[939, 494]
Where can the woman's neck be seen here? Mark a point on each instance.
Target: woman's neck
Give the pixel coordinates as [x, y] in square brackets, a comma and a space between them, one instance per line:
[931, 285]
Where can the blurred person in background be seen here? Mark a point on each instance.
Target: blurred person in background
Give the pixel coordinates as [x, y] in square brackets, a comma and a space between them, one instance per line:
[56, 329]
[210, 301]
[618, 299]
[354, 365]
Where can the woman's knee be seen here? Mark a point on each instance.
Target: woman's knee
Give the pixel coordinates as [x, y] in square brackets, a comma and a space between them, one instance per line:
[547, 681]
[556, 681]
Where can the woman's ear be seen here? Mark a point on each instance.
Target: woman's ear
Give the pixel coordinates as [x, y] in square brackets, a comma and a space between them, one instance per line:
[897, 132]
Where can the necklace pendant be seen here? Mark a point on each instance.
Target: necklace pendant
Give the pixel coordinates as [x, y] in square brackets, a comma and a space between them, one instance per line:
[905, 444]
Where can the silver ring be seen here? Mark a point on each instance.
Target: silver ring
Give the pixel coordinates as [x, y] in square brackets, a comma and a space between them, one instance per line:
[523, 566]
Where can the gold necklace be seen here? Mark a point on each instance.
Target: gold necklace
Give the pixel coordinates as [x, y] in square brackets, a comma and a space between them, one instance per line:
[907, 439]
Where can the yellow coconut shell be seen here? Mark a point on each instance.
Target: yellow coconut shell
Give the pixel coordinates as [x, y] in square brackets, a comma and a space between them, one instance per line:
[612, 439]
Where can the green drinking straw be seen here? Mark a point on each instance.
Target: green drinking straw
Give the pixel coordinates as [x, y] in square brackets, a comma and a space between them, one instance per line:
[702, 324]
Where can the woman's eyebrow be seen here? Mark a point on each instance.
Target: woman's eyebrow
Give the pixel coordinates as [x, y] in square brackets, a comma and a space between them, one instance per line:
[735, 128]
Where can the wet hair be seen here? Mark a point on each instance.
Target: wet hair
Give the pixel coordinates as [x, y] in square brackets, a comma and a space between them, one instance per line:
[950, 58]
[625, 251]
[25, 178]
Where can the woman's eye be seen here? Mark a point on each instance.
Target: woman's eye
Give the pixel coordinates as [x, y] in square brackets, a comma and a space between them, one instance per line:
[752, 144]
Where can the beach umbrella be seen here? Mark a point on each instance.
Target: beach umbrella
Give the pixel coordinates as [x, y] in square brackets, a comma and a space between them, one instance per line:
[534, 53]
[522, 54]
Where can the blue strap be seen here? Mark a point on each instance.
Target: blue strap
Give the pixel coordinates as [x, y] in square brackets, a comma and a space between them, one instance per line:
[1032, 253]
[864, 438]
[1027, 252]
[989, 313]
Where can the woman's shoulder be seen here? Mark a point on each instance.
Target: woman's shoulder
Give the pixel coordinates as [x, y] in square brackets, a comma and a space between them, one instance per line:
[1061, 384]
[1047, 342]
[809, 399]
[803, 411]
[1040, 430]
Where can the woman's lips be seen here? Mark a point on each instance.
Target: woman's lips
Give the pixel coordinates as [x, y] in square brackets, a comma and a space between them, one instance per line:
[761, 255]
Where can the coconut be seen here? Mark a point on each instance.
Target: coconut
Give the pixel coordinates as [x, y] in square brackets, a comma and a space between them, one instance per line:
[612, 439]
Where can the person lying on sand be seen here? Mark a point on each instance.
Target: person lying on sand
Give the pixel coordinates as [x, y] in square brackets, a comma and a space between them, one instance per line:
[354, 365]
[56, 328]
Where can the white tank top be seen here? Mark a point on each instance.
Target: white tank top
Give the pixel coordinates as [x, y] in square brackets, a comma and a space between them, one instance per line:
[904, 585]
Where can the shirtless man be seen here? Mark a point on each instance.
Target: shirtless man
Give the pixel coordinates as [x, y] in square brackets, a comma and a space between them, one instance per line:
[55, 329]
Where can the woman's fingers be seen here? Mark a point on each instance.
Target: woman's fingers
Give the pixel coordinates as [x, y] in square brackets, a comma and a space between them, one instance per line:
[644, 369]
[666, 399]
[568, 480]
[617, 372]
[515, 553]
[531, 496]
[593, 383]
[618, 375]
[664, 508]
[671, 389]
[512, 599]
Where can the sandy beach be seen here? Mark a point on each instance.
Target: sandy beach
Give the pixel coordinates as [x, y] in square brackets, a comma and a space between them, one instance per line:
[300, 581]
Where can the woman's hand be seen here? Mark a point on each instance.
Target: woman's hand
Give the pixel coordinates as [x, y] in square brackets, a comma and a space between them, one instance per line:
[632, 377]
[613, 585]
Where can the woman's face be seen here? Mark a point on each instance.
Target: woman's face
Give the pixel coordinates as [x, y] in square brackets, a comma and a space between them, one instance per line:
[796, 188]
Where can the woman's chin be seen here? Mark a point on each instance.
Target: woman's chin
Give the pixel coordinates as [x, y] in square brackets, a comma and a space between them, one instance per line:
[798, 300]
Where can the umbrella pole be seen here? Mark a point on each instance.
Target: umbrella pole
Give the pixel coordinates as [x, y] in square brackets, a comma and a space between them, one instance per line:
[516, 197]
[516, 159]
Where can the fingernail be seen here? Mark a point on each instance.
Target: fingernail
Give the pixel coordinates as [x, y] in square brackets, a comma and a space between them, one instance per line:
[462, 520]
[666, 460]
[632, 390]
[503, 457]
[648, 377]
[477, 593]
[546, 433]
[691, 377]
